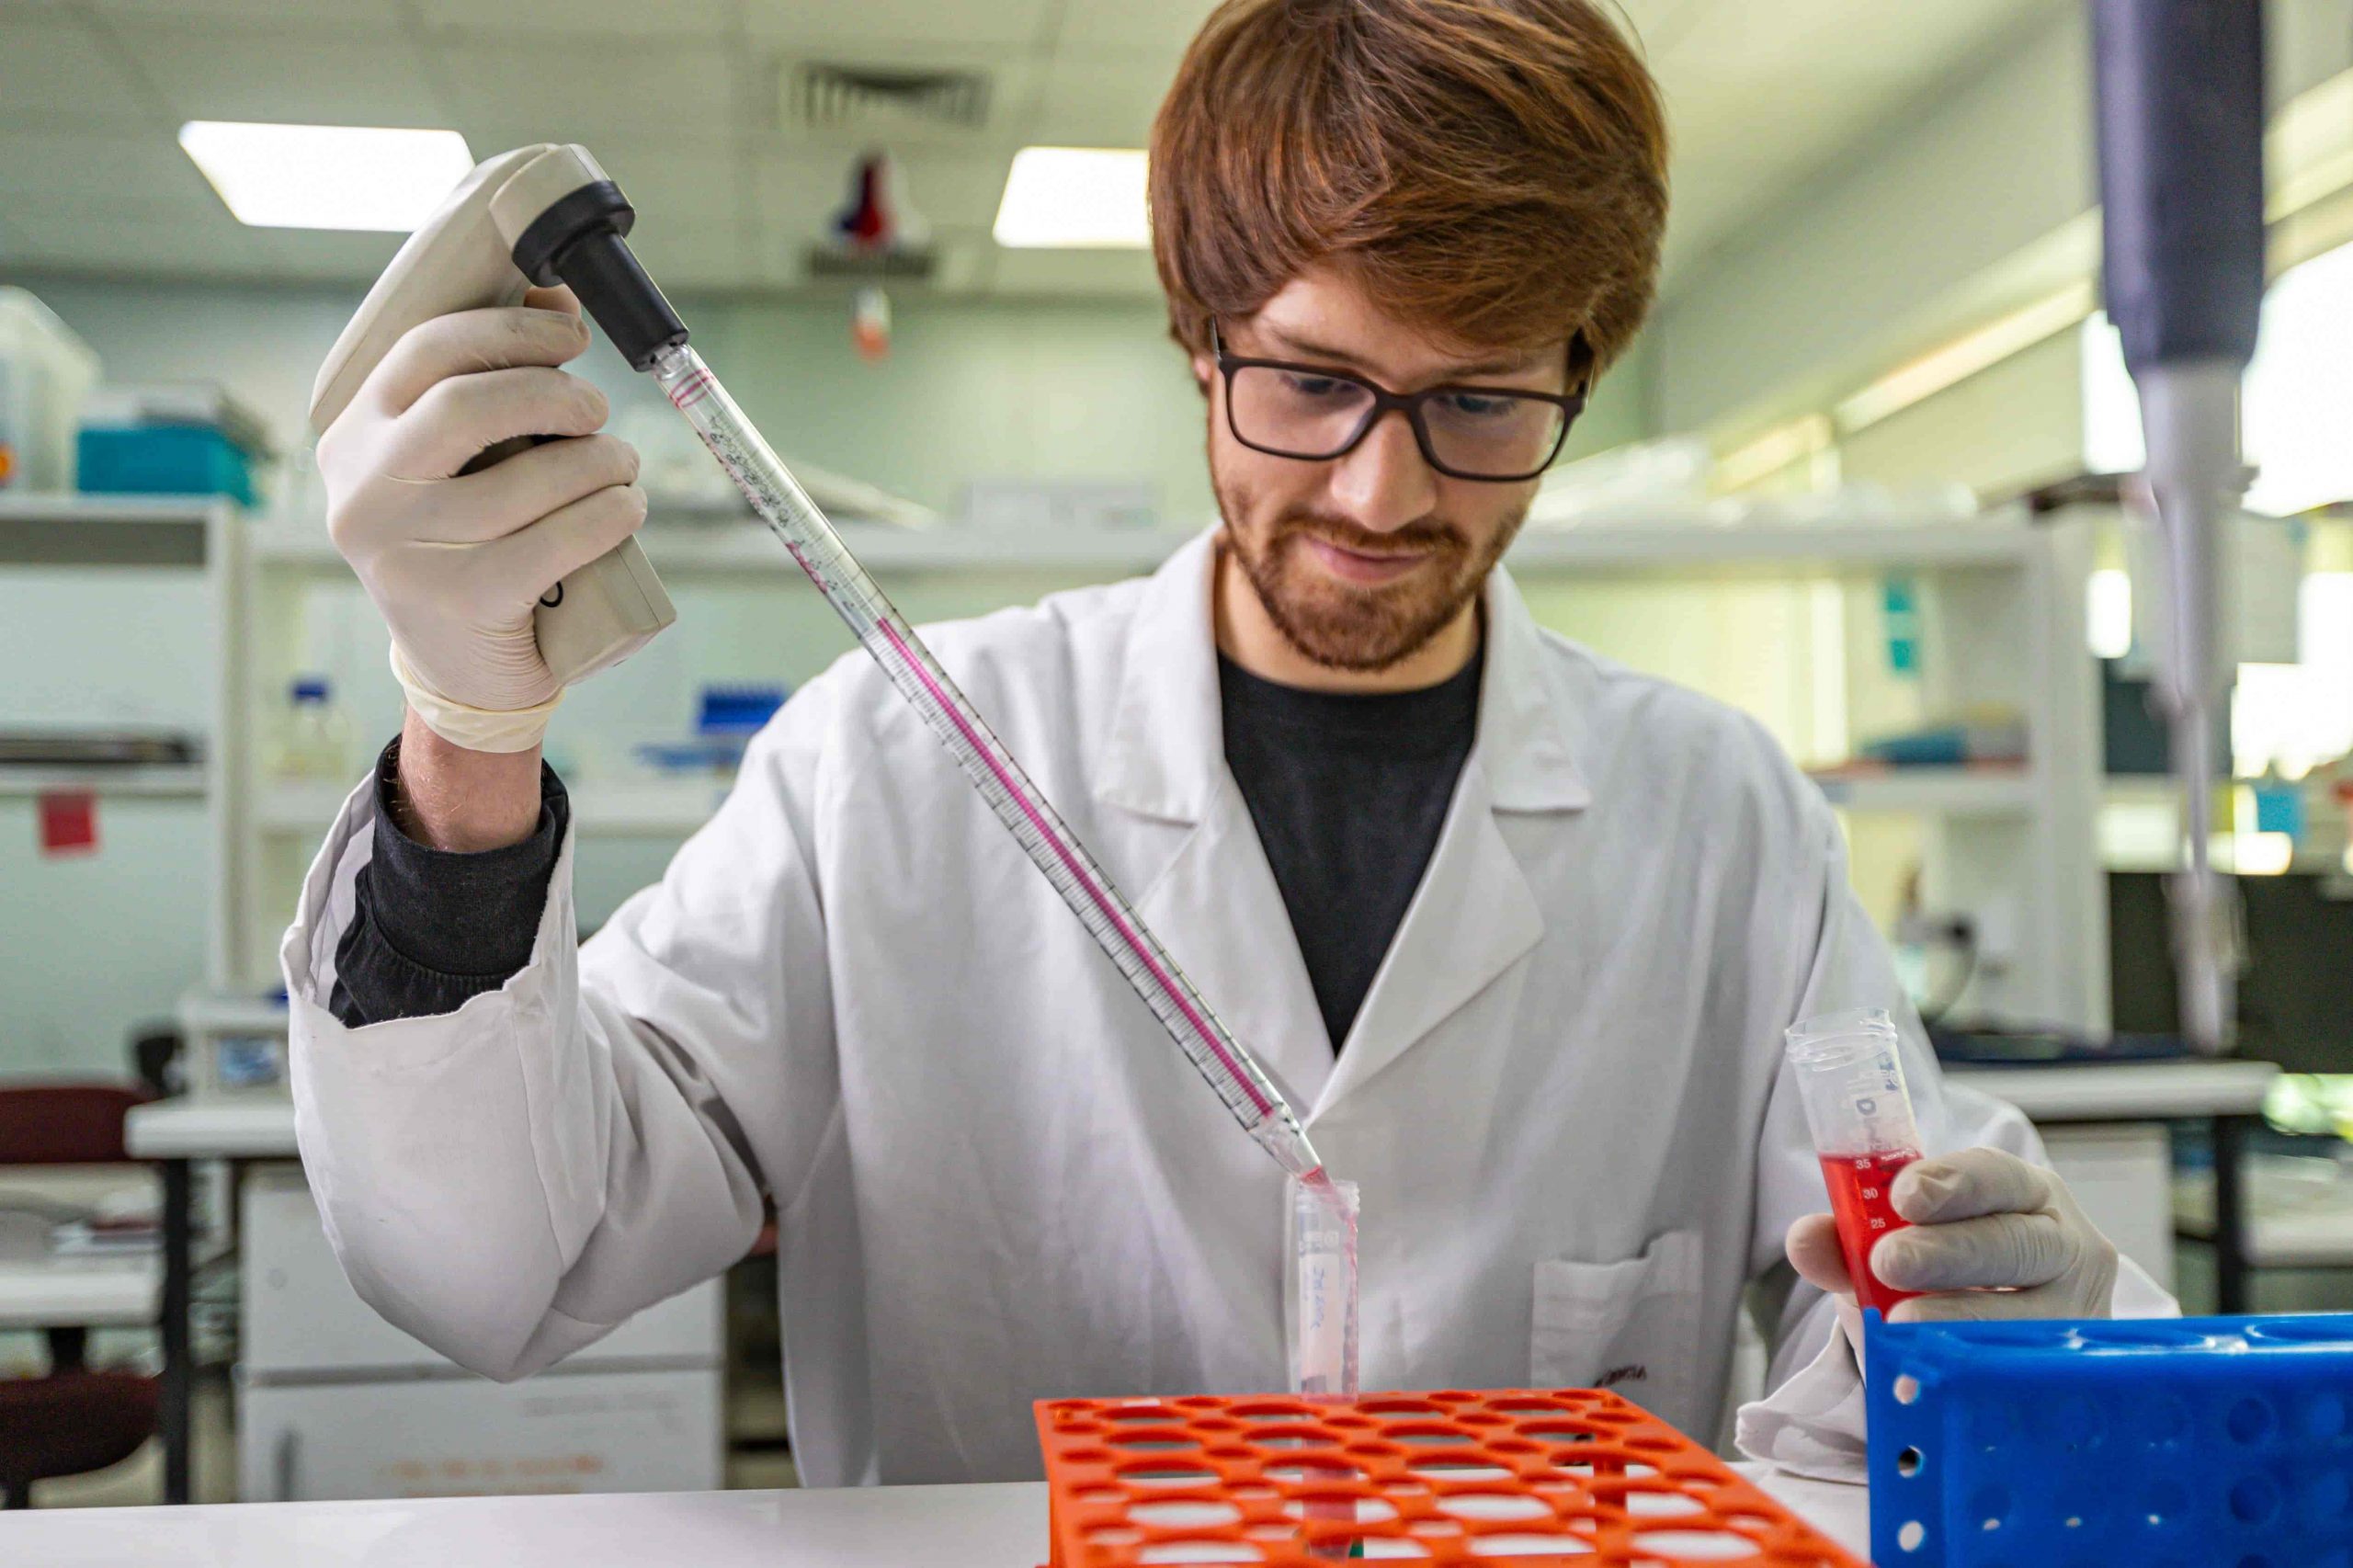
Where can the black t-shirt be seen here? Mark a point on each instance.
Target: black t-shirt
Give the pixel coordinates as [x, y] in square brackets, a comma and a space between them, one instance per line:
[1349, 793]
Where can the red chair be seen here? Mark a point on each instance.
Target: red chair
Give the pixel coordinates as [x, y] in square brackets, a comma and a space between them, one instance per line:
[74, 1419]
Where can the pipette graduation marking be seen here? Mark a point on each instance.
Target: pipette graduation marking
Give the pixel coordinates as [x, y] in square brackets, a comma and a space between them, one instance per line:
[886, 636]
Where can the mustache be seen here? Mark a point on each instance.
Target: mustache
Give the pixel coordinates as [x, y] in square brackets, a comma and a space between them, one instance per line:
[1427, 533]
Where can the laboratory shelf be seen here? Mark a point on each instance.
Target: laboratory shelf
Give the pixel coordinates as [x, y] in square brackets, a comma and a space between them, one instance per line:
[619, 808]
[730, 549]
[1952, 792]
[230, 1013]
[178, 780]
[49, 528]
[693, 547]
[1685, 551]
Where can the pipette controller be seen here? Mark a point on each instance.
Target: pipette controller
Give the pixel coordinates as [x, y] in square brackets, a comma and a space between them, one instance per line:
[548, 215]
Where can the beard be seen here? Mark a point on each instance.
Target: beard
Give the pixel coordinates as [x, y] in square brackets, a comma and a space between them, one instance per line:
[1346, 626]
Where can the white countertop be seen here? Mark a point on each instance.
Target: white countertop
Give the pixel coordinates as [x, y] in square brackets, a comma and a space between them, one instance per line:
[897, 1527]
[2124, 1091]
[2299, 1211]
[45, 1291]
[257, 1128]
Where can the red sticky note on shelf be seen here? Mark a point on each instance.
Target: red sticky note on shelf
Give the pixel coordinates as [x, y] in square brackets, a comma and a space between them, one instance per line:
[69, 822]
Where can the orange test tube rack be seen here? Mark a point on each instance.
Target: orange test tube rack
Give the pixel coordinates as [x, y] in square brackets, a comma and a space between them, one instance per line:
[1450, 1477]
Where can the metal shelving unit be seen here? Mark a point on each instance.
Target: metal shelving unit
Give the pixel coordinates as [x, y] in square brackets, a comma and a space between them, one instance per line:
[2002, 602]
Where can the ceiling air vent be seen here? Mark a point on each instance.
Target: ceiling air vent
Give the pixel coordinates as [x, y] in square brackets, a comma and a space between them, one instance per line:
[876, 100]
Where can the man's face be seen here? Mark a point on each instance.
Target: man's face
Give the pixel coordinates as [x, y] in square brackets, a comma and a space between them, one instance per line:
[1361, 560]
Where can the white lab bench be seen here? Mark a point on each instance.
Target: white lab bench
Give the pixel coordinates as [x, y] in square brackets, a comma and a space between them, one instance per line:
[80, 1292]
[904, 1527]
[332, 1402]
[176, 1134]
[2105, 1126]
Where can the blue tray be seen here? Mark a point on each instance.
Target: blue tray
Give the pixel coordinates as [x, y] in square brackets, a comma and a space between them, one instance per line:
[2223, 1442]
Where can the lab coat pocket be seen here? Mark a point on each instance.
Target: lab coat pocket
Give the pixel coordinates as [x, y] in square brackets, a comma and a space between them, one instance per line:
[1630, 1326]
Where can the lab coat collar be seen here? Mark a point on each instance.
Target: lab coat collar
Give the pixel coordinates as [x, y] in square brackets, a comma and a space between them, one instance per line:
[1166, 754]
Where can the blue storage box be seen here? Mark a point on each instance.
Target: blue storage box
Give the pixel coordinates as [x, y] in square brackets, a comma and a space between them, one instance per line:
[163, 459]
[2222, 1442]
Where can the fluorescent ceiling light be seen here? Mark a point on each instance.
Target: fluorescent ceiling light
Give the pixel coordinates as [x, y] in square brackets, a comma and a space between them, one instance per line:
[327, 176]
[1074, 199]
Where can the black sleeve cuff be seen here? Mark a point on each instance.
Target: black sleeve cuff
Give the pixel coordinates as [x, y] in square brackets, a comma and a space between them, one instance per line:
[433, 927]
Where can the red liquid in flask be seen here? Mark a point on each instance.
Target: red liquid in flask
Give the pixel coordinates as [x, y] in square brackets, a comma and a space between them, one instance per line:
[1859, 1187]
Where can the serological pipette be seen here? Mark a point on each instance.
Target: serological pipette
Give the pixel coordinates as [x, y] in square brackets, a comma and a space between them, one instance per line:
[1056, 851]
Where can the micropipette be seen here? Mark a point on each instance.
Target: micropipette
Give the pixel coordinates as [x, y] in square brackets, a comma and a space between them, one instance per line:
[778, 497]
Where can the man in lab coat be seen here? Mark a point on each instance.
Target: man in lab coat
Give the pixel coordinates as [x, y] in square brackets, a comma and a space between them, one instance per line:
[1516, 928]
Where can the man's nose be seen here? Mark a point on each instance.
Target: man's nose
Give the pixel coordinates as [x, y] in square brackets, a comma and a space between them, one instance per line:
[1384, 484]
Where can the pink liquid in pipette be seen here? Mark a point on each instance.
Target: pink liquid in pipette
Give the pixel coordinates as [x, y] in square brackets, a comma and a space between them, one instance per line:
[1859, 1187]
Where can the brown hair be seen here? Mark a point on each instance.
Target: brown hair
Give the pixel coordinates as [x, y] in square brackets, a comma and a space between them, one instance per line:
[1493, 171]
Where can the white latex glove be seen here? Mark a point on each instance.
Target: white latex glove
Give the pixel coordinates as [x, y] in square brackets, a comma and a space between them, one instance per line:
[455, 562]
[1992, 1236]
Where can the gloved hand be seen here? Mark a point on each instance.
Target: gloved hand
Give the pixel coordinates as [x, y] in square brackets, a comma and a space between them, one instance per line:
[1991, 1236]
[455, 561]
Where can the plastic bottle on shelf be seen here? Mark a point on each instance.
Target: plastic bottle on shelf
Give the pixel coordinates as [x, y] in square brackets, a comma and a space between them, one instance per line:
[317, 740]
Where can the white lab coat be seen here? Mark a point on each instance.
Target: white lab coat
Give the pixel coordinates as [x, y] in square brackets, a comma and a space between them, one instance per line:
[997, 1180]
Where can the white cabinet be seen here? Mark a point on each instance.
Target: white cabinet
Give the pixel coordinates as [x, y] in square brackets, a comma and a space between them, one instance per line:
[334, 1402]
[565, 1431]
[2121, 1175]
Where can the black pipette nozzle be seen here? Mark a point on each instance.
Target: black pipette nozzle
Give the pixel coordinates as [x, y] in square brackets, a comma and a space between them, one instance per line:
[578, 241]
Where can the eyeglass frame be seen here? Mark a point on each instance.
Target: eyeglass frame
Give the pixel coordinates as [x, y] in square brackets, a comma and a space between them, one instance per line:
[1385, 402]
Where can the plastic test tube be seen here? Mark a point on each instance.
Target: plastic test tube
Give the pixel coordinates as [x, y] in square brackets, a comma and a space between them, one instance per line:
[1320, 1319]
[1321, 1302]
[1851, 1078]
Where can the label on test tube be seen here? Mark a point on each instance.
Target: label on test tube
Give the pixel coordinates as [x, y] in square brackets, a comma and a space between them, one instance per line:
[1323, 1294]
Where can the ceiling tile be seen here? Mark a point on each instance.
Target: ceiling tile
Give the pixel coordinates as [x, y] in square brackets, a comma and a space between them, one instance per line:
[1099, 101]
[322, 256]
[79, 240]
[1160, 30]
[147, 177]
[1829, 41]
[591, 92]
[1089, 274]
[957, 191]
[57, 72]
[680, 19]
[844, 27]
[383, 15]
[298, 77]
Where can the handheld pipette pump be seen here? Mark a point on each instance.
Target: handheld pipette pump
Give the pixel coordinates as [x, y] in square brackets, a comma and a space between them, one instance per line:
[548, 214]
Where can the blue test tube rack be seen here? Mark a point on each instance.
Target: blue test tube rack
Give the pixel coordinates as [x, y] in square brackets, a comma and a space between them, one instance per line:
[2220, 1442]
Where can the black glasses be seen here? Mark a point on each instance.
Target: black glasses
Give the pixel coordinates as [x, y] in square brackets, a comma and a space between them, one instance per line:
[1316, 414]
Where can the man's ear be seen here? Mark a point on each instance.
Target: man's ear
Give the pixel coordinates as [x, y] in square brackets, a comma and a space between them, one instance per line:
[1203, 368]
